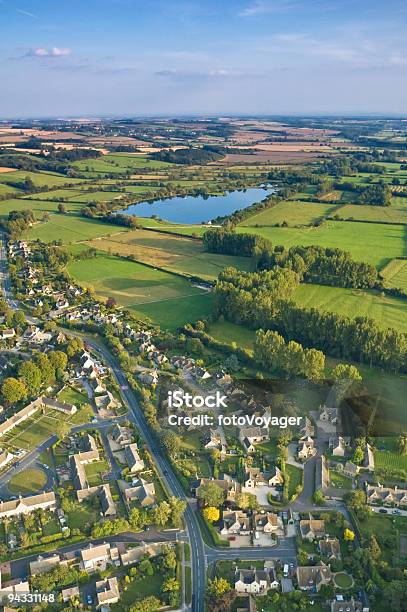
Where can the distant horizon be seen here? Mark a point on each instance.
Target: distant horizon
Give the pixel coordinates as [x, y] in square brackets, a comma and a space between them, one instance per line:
[155, 58]
[208, 116]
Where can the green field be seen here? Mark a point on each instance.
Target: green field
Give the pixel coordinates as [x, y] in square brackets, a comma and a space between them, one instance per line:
[40, 179]
[167, 299]
[119, 163]
[371, 242]
[30, 480]
[389, 214]
[70, 228]
[395, 273]
[229, 332]
[291, 212]
[39, 207]
[385, 310]
[173, 253]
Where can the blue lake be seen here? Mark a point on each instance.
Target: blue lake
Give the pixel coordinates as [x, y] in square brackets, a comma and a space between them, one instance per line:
[196, 209]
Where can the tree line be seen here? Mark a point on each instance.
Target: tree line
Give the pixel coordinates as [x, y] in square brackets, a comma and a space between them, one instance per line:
[265, 302]
[313, 264]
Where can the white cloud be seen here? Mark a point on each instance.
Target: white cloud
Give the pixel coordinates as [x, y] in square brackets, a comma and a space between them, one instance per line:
[52, 52]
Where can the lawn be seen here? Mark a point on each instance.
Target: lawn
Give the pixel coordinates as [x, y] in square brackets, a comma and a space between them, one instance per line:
[343, 580]
[166, 299]
[371, 242]
[70, 228]
[82, 516]
[229, 332]
[40, 179]
[389, 214]
[94, 470]
[139, 589]
[28, 481]
[395, 273]
[296, 477]
[39, 207]
[339, 481]
[173, 253]
[385, 310]
[73, 396]
[291, 212]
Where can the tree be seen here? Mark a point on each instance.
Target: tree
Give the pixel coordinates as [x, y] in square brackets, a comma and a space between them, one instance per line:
[349, 535]
[177, 510]
[30, 374]
[217, 587]
[211, 494]
[171, 443]
[61, 208]
[358, 455]
[148, 604]
[146, 568]
[161, 513]
[58, 359]
[13, 390]
[211, 514]
[402, 445]
[346, 372]
[111, 302]
[374, 549]
[319, 497]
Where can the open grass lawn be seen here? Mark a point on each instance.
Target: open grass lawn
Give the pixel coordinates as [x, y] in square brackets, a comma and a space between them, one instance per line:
[343, 580]
[139, 589]
[28, 481]
[166, 299]
[385, 310]
[229, 332]
[40, 179]
[70, 228]
[38, 207]
[339, 481]
[51, 527]
[32, 432]
[296, 476]
[97, 196]
[73, 396]
[66, 193]
[395, 273]
[81, 516]
[94, 470]
[371, 242]
[389, 214]
[174, 253]
[292, 212]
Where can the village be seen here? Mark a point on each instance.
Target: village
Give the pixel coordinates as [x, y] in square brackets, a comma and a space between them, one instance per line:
[287, 496]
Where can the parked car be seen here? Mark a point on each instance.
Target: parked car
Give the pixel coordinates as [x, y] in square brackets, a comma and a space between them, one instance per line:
[89, 599]
[383, 510]
[232, 538]
[396, 511]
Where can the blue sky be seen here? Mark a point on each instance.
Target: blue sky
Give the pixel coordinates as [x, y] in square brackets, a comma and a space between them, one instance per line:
[113, 57]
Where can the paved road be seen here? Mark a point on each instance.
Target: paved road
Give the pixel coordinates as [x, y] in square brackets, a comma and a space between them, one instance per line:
[285, 550]
[27, 461]
[164, 468]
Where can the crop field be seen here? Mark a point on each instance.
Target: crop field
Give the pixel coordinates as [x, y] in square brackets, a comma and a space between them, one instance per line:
[159, 295]
[395, 273]
[388, 214]
[57, 193]
[389, 459]
[173, 253]
[40, 179]
[291, 212]
[37, 206]
[70, 228]
[97, 196]
[385, 310]
[373, 242]
[119, 163]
